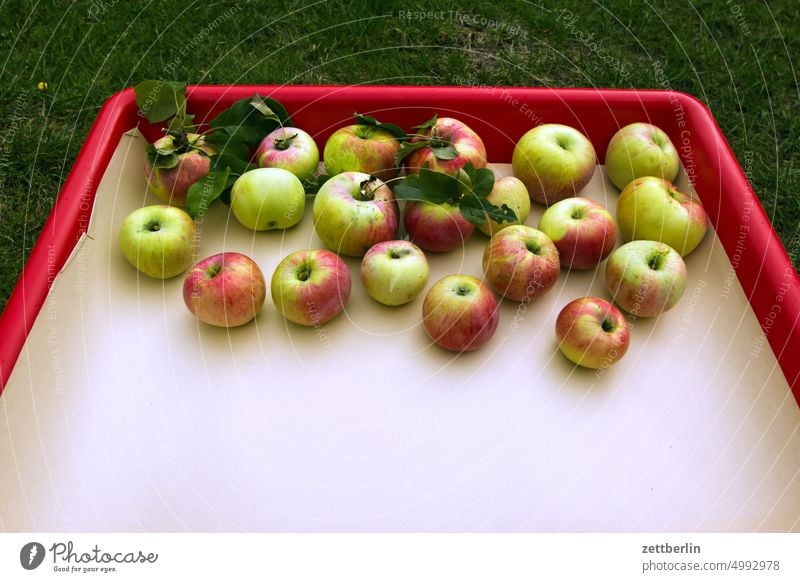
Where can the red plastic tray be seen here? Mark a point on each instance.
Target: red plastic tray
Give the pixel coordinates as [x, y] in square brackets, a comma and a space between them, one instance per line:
[762, 265]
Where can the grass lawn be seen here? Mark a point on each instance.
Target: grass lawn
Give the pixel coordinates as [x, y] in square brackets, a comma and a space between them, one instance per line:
[736, 56]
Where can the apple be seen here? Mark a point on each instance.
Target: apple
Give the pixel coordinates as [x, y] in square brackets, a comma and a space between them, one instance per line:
[268, 199]
[645, 277]
[592, 333]
[583, 231]
[311, 287]
[290, 149]
[354, 211]
[436, 227]
[638, 150]
[157, 240]
[521, 263]
[512, 192]
[362, 148]
[447, 145]
[554, 161]
[225, 290]
[394, 272]
[650, 208]
[172, 184]
[460, 313]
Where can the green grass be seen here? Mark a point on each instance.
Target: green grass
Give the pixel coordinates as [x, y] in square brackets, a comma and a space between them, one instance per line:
[735, 56]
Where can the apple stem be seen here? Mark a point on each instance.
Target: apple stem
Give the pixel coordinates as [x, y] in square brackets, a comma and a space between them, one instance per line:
[304, 273]
[284, 142]
[368, 189]
[657, 260]
[607, 325]
[532, 247]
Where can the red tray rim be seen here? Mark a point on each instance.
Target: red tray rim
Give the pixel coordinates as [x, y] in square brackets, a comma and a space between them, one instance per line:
[769, 279]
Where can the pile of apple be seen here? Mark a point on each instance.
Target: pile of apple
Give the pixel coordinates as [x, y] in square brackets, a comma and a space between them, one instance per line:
[435, 182]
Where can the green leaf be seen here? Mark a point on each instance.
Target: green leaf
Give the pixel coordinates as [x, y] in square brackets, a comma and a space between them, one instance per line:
[165, 160]
[248, 121]
[235, 165]
[476, 210]
[395, 130]
[473, 213]
[482, 182]
[428, 124]
[160, 100]
[409, 189]
[181, 123]
[277, 108]
[446, 152]
[407, 147]
[227, 145]
[203, 192]
[439, 187]
[259, 104]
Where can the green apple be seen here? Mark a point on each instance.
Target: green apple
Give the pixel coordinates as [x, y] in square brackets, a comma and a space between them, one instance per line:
[268, 198]
[460, 313]
[583, 231]
[645, 277]
[225, 290]
[172, 184]
[638, 150]
[512, 192]
[157, 240]
[554, 161]
[394, 272]
[653, 209]
[289, 148]
[592, 333]
[362, 148]
[353, 211]
[521, 263]
[311, 287]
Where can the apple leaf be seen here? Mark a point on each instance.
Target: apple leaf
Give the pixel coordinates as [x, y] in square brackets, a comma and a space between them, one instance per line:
[247, 121]
[409, 189]
[180, 123]
[445, 152]
[482, 181]
[438, 185]
[161, 157]
[441, 149]
[159, 100]
[406, 148]
[203, 192]
[395, 130]
[428, 186]
[468, 193]
[476, 210]
[235, 165]
[235, 149]
[265, 110]
[428, 124]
